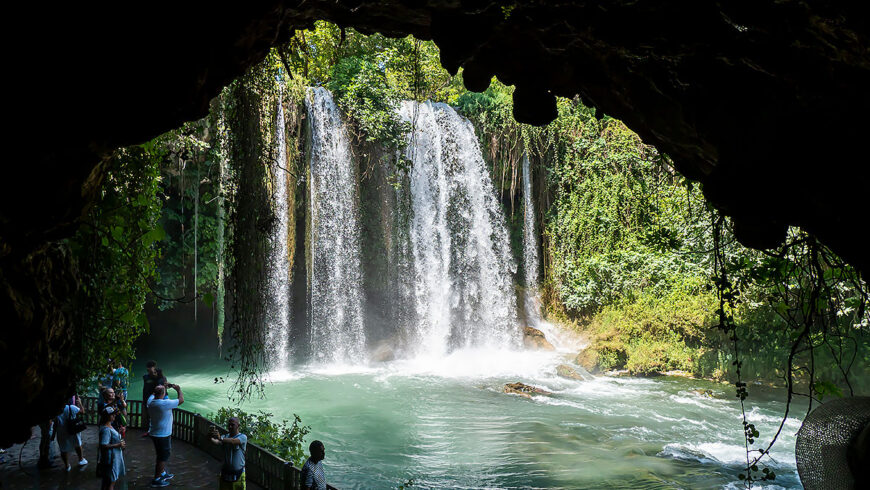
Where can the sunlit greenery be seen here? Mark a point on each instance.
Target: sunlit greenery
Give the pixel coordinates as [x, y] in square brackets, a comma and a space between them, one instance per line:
[115, 250]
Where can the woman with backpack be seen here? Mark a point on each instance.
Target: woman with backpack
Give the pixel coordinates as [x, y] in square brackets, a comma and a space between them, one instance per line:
[68, 430]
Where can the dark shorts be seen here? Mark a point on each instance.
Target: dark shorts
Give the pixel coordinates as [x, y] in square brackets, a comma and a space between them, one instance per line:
[162, 446]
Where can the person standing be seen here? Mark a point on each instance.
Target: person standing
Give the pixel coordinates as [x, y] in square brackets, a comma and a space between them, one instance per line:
[235, 444]
[111, 463]
[120, 379]
[150, 380]
[313, 477]
[67, 442]
[105, 381]
[110, 399]
[160, 412]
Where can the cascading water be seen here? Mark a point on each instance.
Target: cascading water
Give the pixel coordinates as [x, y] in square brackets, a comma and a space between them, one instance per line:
[563, 340]
[279, 269]
[531, 300]
[462, 266]
[335, 284]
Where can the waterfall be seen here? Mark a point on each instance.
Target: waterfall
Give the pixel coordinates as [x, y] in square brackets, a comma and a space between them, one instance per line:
[562, 339]
[279, 268]
[531, 300]
[462, 286]
[335, 282]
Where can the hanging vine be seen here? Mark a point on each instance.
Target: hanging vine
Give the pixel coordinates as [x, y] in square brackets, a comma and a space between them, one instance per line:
[250, 112]
[822, 303]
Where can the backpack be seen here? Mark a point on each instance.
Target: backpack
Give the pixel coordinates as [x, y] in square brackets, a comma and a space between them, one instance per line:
[74, 424]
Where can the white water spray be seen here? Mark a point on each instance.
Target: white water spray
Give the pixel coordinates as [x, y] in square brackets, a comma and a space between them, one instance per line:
[279, 272]
[335, 283]
[530, 250]
[462, 265]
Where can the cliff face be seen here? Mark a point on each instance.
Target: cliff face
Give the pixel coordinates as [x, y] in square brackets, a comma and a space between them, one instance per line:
[762, 101]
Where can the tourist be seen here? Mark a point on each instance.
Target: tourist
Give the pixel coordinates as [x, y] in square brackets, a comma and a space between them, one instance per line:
[312, 471]
[111, 465]
[235, 444]
[160, 412]
[153, 376]
[120, 378]
[119, 404]
[67, 442]
[105, 381]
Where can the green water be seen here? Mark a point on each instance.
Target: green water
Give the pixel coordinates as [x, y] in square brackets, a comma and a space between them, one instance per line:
[446, 423]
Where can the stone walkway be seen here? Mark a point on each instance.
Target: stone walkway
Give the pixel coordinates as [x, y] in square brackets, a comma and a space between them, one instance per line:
[192, 468]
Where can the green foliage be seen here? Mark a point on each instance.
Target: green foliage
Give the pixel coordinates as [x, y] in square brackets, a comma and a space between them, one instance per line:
[285, 439]
[192, 214]
[490, 110]
[360, 86]
[116, 248]
[369, 75]
[655, 334]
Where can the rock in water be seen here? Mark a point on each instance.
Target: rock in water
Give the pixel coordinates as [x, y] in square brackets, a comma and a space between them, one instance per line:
[567, 371]
[524, 390]
[588, 359]
[534, 339]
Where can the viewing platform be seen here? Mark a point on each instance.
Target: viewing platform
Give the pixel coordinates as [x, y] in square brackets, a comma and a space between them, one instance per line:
[195, 461]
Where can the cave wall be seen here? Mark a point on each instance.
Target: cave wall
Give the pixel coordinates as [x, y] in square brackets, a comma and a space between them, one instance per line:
[762, 101]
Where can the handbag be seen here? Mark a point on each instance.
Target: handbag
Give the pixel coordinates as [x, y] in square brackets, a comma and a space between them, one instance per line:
[75, 424]
[102, 469]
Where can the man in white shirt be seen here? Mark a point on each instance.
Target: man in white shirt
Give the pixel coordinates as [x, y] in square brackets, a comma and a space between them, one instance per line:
[160, 412]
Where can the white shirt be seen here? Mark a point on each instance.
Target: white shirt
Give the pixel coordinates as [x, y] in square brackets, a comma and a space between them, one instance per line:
[160, 411]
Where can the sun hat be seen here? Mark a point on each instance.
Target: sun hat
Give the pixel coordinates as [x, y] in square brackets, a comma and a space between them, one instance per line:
[832, 445]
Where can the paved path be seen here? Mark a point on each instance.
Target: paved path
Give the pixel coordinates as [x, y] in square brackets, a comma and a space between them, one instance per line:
[192, 468]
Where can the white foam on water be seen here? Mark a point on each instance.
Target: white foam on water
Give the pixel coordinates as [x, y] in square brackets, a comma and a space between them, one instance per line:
[341, 369]
[479, 363]
[283, 375]
[755, 415]
[707, 452]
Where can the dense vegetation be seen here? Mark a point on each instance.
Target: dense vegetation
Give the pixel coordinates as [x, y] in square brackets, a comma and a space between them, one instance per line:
[116, 253]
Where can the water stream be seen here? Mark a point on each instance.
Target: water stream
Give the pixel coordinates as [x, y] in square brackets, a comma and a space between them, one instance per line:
[279, 271]
[335, 283]
[462, 265]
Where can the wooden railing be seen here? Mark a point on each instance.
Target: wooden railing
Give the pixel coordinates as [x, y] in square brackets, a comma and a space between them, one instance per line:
[261, 466]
